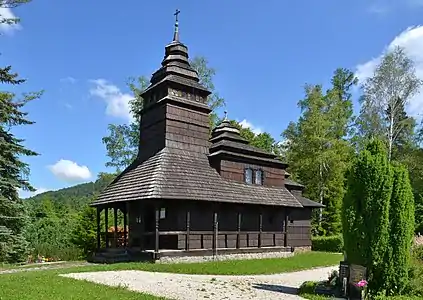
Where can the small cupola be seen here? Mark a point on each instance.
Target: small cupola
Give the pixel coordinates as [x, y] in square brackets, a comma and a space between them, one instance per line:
[226, 131]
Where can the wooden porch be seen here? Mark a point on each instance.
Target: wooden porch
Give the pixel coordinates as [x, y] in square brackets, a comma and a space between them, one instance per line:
[121, 242]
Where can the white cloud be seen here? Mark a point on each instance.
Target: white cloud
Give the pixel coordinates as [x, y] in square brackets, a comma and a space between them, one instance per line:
[25, 194]
[411, 40]
[6, 13]
[70, 171]
[244, 123]
[117, 102]
[68, 79]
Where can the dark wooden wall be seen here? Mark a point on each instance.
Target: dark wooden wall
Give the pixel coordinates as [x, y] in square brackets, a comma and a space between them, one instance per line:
[201, 225]
[234, 170]
[172, 125]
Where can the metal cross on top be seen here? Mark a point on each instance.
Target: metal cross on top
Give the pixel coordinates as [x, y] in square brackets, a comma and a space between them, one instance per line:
[177, 12]
[176, 33]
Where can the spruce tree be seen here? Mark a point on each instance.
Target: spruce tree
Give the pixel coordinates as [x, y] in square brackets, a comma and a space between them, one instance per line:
[401, 229]
[366, 212]
[13, 176]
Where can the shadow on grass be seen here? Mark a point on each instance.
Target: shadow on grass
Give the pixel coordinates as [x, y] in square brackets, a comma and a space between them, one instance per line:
[276, 288]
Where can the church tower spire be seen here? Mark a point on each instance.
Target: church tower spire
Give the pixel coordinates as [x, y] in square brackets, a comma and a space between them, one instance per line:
[176, 32]
[175, 113]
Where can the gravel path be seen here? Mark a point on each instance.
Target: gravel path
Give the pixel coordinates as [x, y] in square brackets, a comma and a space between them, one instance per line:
[193, 287]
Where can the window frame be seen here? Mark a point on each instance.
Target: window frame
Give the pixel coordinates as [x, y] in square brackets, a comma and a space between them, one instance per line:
[254, 175]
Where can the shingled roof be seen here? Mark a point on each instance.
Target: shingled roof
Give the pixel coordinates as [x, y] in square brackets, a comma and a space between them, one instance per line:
[186, 175]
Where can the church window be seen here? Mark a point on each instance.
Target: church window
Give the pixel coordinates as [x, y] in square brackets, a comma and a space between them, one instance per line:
[249, 175]
[258, 178]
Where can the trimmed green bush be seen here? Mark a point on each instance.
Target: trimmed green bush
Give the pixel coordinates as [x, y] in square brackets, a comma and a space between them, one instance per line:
[365, 213]
[333, 243]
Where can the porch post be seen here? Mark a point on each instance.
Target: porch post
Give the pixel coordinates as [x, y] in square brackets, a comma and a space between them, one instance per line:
[98, 228]
[157, 234]
[125, 223]
[106, 222]
[238, 242]
[115, 235]
[215, 233]
[260, 227]
[285, 238]
[187, 236]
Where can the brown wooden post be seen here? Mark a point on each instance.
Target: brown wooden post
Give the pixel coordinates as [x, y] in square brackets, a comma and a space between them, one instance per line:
[187, 236]
[215, 233]
[115, 217]
[142, 226]
[98, 228]
[157, 234]
[260, 227]
[238, 242]
[125, 223]
[106, 222]
[285, 238]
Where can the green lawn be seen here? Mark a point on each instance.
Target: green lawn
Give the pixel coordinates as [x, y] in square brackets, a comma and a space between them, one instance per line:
[47, 285]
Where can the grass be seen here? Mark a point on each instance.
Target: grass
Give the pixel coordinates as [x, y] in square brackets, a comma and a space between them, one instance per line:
[47, 285]
[298, 262]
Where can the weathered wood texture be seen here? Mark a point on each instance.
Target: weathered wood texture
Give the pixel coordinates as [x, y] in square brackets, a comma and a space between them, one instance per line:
[173, 226]
[233, 170]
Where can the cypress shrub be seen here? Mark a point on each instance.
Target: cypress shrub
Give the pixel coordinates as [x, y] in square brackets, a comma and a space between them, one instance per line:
[401, 230]
[365, 213]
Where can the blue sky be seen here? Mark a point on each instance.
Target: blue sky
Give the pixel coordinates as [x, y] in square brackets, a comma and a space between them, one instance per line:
[82, 52]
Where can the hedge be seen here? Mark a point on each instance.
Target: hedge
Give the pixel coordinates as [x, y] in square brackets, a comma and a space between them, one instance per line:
[327, 243]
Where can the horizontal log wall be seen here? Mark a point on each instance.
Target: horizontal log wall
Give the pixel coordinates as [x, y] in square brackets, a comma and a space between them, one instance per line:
[235, 171]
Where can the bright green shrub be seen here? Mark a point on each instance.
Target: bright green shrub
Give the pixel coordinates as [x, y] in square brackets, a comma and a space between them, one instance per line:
[333, 243]
[365, 212]
[401, 231]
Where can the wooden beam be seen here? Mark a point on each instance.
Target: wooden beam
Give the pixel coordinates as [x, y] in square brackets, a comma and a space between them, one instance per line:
[285, 238]
[141, 226]
[106, 222]
[157, 234]
[215, 233]
[115, 234]
[238, 230]
[260, 227]
[98, 228]
[125, 223]
[187, 237]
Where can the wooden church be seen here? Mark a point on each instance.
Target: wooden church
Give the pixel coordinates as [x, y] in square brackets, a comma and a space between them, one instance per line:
[192, 193]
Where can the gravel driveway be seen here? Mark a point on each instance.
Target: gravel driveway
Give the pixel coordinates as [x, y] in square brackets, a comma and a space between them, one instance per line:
[193, 287]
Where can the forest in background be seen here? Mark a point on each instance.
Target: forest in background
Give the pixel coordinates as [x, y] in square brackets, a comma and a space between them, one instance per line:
[319, 147]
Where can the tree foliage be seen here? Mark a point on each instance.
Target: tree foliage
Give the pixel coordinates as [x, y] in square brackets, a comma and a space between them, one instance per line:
[401, 215]
[316, 146]
[365, 216]
[84, 234]
[385, 96]
[13, 171]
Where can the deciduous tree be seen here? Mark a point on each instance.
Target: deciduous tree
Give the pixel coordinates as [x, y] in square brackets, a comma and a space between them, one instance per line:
[317, 149]
[385, 96]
